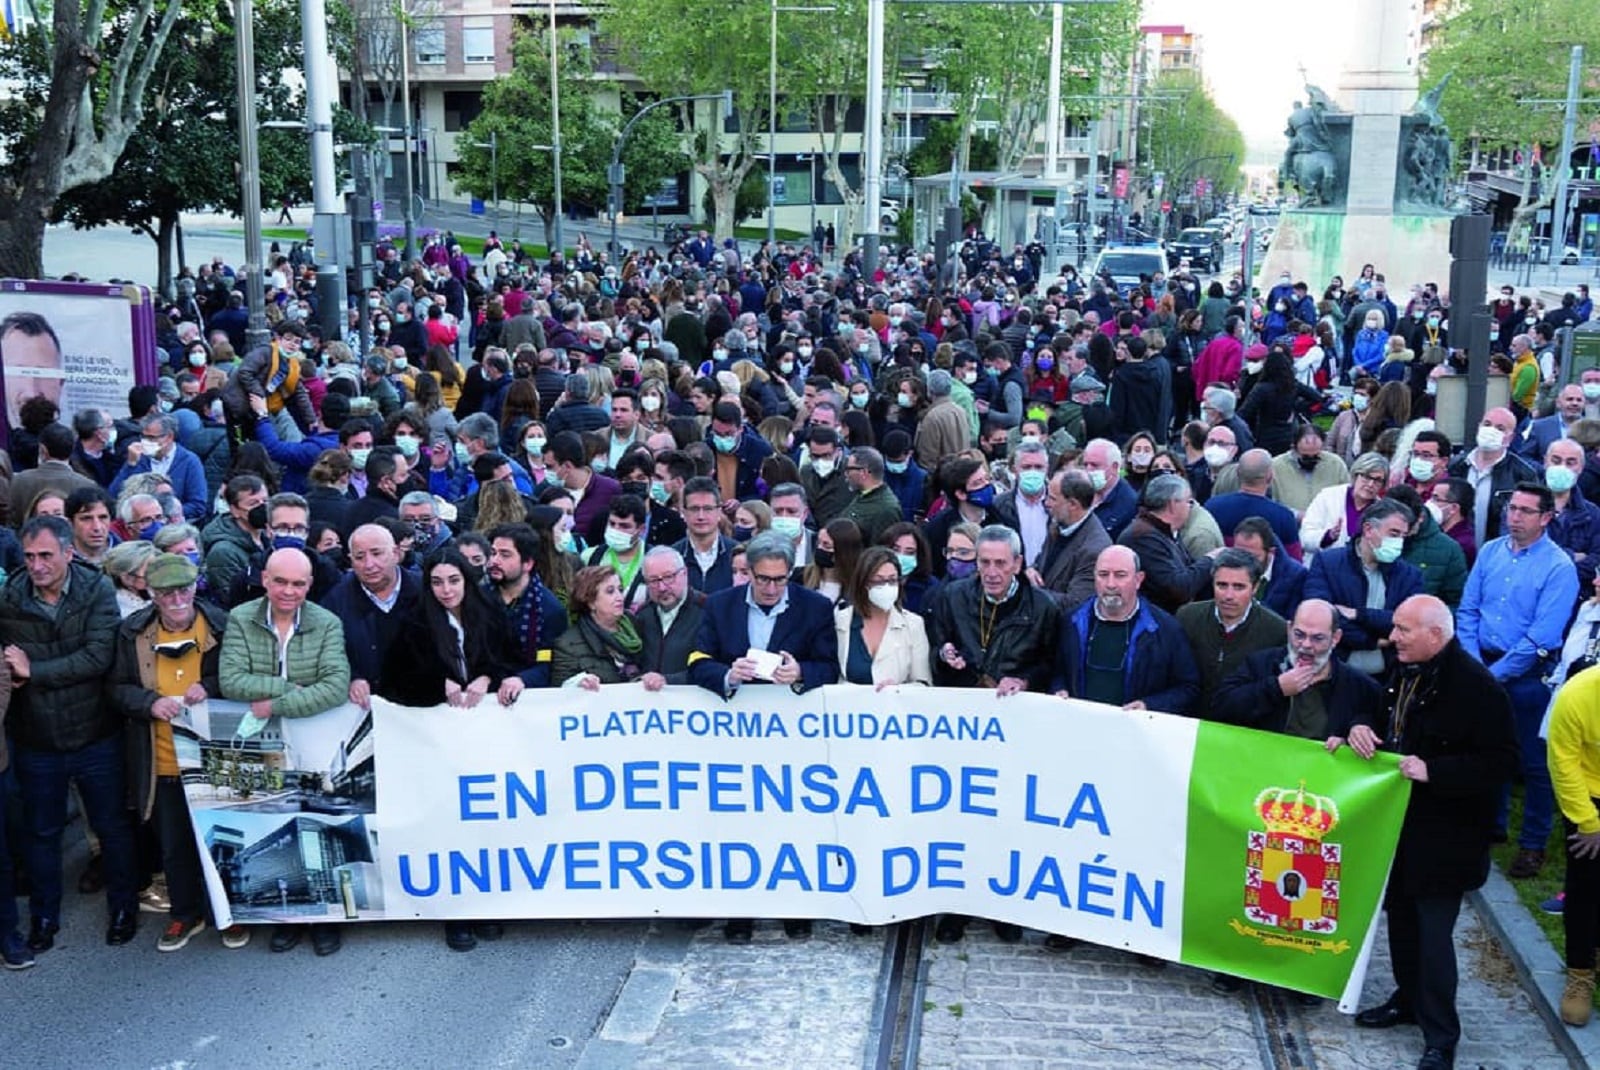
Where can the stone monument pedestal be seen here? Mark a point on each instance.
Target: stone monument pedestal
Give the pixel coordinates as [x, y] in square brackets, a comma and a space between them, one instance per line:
[1315, 246]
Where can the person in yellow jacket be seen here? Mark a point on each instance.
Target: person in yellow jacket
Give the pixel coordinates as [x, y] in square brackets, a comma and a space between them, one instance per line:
[1574, 756]
[1524, 372]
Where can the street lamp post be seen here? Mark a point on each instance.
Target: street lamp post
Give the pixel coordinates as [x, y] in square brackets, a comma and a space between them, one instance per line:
[614, 173]
[250, 170]
[772, 122]
[555, 132]
[493, 145]
[405, 102]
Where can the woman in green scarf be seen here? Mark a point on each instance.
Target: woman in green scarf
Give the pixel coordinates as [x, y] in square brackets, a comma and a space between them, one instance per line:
[602, 646]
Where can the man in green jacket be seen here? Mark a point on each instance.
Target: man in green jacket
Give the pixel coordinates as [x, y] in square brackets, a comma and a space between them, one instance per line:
[874, 507]
[1441, 559]
[285, 656]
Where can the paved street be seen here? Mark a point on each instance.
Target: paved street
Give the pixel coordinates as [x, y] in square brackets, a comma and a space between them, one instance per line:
[990, 1004]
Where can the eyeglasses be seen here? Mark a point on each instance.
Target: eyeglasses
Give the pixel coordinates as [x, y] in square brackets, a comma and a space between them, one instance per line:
[1371, 477]
[294, 532]
[657, 581]
[1524, 510]
[699, 510]
[768, 581]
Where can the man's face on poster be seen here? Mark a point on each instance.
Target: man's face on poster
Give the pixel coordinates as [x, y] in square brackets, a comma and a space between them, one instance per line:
[32, 368]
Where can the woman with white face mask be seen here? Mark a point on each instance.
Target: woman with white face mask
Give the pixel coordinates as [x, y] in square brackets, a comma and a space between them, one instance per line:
[880, 642]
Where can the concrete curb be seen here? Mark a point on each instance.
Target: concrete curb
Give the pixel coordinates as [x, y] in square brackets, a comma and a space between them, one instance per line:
[1539, 967]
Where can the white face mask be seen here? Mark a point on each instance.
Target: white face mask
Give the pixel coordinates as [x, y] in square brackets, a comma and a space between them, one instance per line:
[884, 595]
[1490, 439]
[823, 468]
[650, 403]
[1436, 511]
[1216, 456]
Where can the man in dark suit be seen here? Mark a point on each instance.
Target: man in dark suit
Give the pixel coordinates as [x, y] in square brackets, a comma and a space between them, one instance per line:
[777, 616]
[1452, 723]
[1066, 568]
[669, 623]
[1536, 439]
[768, 614]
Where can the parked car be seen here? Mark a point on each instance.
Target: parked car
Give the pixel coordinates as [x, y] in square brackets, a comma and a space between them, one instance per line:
[1129, 265]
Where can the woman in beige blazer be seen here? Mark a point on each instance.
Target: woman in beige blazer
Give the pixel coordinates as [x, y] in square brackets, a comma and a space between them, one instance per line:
[880, 643]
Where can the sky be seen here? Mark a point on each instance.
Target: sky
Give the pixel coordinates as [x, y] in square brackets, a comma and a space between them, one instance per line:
[1251, 52]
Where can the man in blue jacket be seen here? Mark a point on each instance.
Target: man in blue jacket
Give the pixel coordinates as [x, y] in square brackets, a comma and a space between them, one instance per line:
[773, 615]
[296, 458]
[1283, 579]
[1365, 580]
[158, 451]
[769, 613]
[1119, 649]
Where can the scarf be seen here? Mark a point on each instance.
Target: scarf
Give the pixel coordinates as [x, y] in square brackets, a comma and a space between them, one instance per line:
[623, 644]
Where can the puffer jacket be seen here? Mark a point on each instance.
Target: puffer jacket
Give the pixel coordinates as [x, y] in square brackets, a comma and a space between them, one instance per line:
[60, 708]
[131, 689]
[319, 673]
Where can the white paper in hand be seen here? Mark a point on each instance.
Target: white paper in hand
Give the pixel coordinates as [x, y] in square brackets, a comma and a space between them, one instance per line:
[766, 662]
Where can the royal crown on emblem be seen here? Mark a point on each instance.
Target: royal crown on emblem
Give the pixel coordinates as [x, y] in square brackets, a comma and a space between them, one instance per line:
[1294, 812]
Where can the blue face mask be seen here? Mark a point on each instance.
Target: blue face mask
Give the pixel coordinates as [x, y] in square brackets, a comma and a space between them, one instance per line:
[897, 467]
[724, 443]
[982, 498]
[193, 556]
[960, 570]
[150, 530]
[288, 542]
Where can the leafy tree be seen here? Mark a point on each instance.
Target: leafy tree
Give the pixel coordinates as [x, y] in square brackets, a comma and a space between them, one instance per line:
[752, 198]
[184, 154]
[78, 94]
[702, 47]
[518, 117]
[932, 156]
[1191, 138]
[1500, 52]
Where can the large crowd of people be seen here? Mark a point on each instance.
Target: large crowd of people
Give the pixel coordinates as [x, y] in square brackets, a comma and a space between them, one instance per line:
[565, 473]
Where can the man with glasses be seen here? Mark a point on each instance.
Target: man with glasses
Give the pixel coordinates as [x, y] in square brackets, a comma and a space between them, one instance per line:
[772, 615]
[669, 623]
[707, 552]
[874, 508]
[1513, 619]
[1298, 689]
[158, 451]
[167, 659]
[768, 615]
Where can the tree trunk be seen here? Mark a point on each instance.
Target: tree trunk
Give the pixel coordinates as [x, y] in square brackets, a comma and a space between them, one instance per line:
[163, 239]
[21, 243]
[183, 259]
[723, 196]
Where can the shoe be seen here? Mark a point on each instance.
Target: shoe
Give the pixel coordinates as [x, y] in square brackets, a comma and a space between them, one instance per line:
[488, 930]
[1527, 864]
[235, 936]
[42, 934]
[123, 927]
[1386, 1015]
[1437, 1059]
[1577, 1001]
[1226, 984]
[797, 928]
[1556, 904]
[1057, 942]
[951, 928]
[14, 953]
[92, 879]
[325, 940]
[285, 938]
[458, 936]
[153, 900]
[178, 933]
[739, 930]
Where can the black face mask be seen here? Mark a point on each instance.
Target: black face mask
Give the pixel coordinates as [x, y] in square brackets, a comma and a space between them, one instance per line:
[636, 488]
[823, 558]
[1309, 463]
[257, 517]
